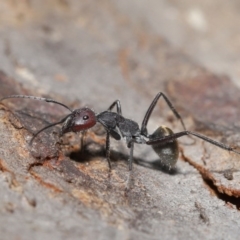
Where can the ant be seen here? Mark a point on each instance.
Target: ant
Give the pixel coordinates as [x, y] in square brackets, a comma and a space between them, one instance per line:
[162, 140]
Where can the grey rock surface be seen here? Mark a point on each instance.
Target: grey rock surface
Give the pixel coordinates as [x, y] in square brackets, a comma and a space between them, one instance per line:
[92, 53]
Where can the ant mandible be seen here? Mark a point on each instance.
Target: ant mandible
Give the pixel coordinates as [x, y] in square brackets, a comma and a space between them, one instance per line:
[162, 140]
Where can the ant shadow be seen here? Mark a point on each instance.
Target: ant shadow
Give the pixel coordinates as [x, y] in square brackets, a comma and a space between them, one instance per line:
[85, 155]
[157, 165]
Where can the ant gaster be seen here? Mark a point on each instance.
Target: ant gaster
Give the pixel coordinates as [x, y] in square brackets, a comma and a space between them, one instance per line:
[162, 140]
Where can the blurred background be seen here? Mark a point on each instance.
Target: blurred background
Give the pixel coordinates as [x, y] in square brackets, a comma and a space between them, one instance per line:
[81, 45]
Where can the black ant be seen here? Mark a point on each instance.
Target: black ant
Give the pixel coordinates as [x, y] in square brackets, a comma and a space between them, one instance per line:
[163, 140]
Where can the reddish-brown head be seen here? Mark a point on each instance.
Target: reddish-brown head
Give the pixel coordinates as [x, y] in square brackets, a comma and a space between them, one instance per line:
[79, 120]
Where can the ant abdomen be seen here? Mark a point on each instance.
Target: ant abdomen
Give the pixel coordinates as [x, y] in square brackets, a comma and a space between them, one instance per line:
[167, 151]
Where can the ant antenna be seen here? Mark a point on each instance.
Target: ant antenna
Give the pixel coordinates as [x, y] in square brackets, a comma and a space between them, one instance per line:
[37, 98]
[50, 125]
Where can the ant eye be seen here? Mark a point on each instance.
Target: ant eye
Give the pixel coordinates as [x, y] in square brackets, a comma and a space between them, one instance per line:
[85, 117]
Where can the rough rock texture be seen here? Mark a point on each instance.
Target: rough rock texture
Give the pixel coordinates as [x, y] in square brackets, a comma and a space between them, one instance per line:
[92, 53]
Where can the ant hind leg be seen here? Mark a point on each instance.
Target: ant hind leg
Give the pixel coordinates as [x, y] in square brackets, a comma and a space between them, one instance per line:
[151, 108]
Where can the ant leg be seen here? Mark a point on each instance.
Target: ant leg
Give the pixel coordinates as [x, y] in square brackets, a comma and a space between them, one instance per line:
[118, 105]
[108, 150]
[83, 134]
[36, 98]
[130, 160]
[150, 109]
[174, 136]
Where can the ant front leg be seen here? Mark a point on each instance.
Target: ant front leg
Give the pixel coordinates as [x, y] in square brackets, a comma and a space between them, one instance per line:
[82, 140]
[118, 106]
[150, 109]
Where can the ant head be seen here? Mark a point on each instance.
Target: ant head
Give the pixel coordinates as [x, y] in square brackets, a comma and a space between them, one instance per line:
[79, 120]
